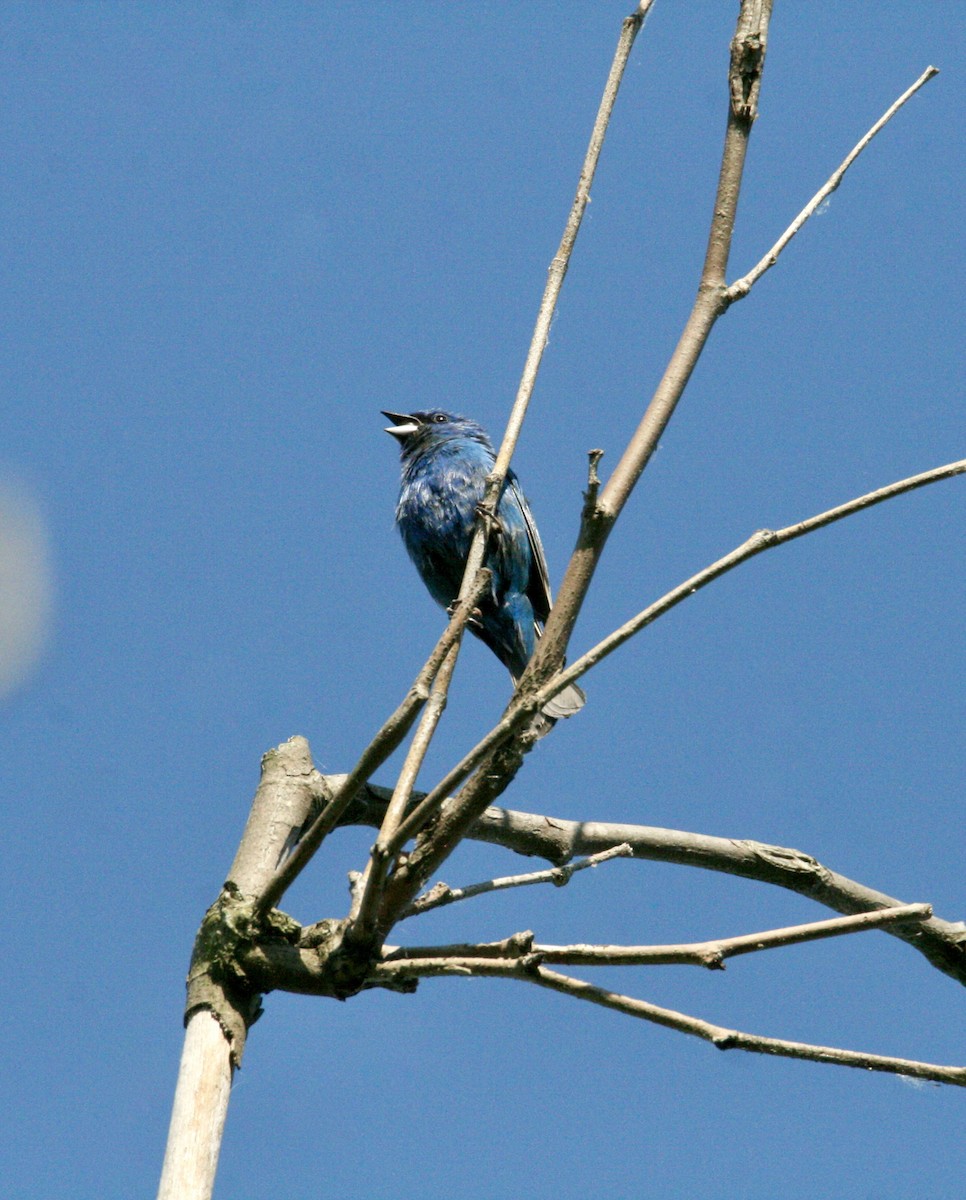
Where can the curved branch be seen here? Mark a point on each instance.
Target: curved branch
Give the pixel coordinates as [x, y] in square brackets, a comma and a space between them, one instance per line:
[942, 943]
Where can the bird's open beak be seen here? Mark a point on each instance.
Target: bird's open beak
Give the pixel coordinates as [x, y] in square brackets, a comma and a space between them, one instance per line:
[402, 424]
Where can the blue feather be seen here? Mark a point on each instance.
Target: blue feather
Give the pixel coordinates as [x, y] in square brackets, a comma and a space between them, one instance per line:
[445, 463]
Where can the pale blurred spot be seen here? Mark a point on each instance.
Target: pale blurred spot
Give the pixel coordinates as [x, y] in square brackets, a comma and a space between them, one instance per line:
[25, 586]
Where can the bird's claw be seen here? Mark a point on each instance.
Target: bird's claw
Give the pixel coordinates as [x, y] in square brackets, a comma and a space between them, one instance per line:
[475, 618]
[495, 524]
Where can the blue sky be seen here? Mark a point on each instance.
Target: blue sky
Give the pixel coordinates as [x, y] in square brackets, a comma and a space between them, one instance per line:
[232, 234]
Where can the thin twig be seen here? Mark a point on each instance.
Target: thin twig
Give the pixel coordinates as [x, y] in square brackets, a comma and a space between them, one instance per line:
[442, 894]
[523, 969]
[741, 287]
[556, 274]
[713, 953]
[366, 896]
[763, 539]
[516, 946]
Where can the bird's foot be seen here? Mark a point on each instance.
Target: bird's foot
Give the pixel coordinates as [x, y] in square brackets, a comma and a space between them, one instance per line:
[475, 618]
[496, 525]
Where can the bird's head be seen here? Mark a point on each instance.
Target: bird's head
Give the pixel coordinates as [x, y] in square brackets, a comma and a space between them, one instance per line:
[427, 429]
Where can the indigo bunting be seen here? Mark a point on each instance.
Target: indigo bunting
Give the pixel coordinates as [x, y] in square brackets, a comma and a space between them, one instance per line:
[445, 463]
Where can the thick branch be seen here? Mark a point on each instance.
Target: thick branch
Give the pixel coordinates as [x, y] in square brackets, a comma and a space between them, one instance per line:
[219, 1010]
[559, 840]
[747, 62]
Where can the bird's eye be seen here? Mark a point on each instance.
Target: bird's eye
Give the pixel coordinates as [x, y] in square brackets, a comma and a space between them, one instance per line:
[440, 418]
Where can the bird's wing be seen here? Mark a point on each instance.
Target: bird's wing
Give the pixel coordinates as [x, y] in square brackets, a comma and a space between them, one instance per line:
[538, 589]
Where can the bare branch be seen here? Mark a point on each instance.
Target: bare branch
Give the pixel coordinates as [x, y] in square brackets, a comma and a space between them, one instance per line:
[709, 954]
[518, 945]
[218, 1014]
[747, 64]
[741, 287]
[431, 802]
[556, 274]
[713, 953]
[734, 1039]
[442, 894]
[390, 839]
[498, 768]
[764, 539]
[366, 896]
[704, 954]
[524, 969]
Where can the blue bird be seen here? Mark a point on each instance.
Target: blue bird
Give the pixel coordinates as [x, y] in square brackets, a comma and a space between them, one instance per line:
[445, 463]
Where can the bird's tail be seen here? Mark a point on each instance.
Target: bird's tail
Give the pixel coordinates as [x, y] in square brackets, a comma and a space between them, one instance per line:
[567, 702]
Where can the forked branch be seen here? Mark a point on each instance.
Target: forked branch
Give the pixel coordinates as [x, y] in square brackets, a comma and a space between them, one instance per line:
[711, 954]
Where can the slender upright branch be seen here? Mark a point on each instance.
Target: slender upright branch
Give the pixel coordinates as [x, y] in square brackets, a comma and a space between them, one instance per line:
[366, 896]
[556, 274]
[379, 749]
[744, 76]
